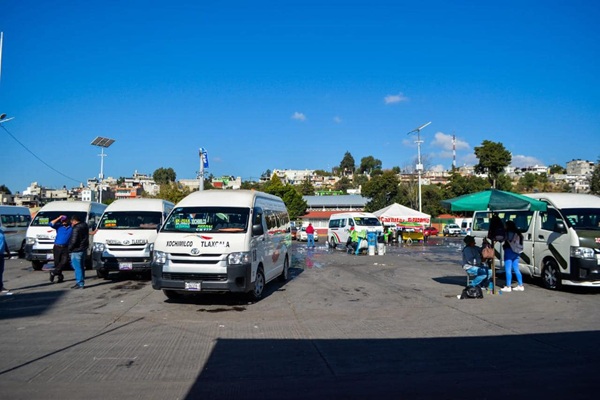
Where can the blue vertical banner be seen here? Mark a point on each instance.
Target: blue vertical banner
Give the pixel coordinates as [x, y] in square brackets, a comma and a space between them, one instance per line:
[204, 157]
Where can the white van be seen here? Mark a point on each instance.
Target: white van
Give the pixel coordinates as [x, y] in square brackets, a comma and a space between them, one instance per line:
[340, 225]
[40, 235]
[14, 221]
[125, 237]
[222, 241]
[561, 245]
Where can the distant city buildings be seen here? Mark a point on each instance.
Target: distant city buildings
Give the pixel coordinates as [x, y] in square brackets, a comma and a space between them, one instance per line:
[578, 173]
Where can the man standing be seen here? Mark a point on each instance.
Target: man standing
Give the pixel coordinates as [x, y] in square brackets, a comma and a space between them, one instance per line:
[78, 245]
[310, 235]
[61, 246]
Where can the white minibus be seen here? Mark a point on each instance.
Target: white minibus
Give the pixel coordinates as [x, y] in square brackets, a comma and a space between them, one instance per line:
[340, 225]
[561, 245]
[40, 235]
[222, 241]
[125, 237]
[14, 221]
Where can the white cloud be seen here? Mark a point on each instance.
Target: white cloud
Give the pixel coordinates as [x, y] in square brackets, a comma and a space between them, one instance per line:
[337, 120]
[299, 116]
[395, 98]
[520, 161]
[444, 142]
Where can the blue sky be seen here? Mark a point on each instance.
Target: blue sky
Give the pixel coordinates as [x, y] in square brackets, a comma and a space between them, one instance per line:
[291, 84]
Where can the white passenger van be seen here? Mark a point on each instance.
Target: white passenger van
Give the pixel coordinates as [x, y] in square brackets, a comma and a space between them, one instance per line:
[125, 237]
[14, 221]
[561, 245]
[222, 241]
[40, 235]
[340, 225]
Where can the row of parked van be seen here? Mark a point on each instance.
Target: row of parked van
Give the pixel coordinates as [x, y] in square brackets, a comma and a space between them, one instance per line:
[215, 241]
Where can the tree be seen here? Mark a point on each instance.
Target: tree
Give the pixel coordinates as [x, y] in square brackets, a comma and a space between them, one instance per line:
[173, 192]
[493, 158]
[595, 179]
[369, 164]
[343, 184]
[164, 175]
[347, 163]
[4, 189]
[307, 188]
[296, 206]
[458, 185]
[383, 190]
[557, 169]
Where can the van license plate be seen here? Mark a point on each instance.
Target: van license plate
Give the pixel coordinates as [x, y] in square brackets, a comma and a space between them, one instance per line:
[125, 266]
[196, 286]
[49, 256]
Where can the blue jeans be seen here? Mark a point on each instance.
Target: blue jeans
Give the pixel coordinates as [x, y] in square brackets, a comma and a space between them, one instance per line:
[480, 274]
[511, 263]
[76, 261]
[310, 240]
[1, 270]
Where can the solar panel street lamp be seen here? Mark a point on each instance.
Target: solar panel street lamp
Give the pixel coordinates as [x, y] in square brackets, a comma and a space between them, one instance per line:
[419, 165]
[103, 143]
[4, 119]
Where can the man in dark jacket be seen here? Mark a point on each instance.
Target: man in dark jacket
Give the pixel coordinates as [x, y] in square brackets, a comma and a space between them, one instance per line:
[78, 246]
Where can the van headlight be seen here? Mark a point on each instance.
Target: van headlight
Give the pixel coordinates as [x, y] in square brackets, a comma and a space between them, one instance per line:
[582, 252]
[239, 258]
[159, 257]
[30, 240]
[99, 247]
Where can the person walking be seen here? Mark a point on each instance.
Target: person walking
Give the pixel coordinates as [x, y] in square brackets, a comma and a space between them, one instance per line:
[78, 245]
[3, 249]
[63, 228]
[472, 262]
[513, 246]
[310, 235]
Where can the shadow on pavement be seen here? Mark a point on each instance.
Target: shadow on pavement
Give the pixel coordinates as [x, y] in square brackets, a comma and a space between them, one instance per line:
[557, 365]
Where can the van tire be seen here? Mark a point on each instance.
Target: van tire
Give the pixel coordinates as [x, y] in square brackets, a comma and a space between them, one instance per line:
[102, 273]
[259, 285]
[37, 265]
[22, 250]
[551, 275]
[332, 244]
[172, 294]
[285, 274]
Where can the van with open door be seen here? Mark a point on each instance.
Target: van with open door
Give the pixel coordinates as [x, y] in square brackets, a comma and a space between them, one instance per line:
[40, 235]
[124, 240]
[561, 245]
[341, 225]
[222, 241]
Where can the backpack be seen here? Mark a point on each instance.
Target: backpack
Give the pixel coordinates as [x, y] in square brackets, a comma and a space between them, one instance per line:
[516, 243]
[472, 292]
[496, 232]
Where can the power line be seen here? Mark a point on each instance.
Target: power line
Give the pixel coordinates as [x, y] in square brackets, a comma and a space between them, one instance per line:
[33, 154]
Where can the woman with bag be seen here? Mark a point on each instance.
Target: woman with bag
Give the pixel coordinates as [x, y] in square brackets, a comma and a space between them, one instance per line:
[513, 246]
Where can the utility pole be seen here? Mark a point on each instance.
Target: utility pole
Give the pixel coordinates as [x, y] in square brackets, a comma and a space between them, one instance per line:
[419, 167]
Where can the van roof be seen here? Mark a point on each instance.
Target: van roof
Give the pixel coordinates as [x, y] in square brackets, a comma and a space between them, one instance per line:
[14, 209]
[68, 206]
[568, 200]
[352, 215]
[138, 204]
[232, 198]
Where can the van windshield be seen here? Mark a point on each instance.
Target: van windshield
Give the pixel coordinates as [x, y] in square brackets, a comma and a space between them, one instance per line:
[582, 218]
[130, 220]
[367, 221]
[208, 219]
[43, 218]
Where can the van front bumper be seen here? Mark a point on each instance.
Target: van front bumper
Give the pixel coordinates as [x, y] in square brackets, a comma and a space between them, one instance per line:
[236, 280]
[32, 254]
[584, 272]
[120, 263]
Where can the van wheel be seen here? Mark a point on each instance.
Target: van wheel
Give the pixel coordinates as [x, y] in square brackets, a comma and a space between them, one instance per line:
[172, 294]
[259, 285]
[285, 274]
[332, 243]
[551, 275]
[102, 273]
[37, 265]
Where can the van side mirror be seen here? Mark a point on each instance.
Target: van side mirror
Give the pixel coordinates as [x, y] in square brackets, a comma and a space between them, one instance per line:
[257, 230]
[559, 227]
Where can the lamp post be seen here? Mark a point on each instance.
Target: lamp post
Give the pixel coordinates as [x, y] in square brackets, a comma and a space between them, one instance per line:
[419, 165]
[103, 143]
[4, 119]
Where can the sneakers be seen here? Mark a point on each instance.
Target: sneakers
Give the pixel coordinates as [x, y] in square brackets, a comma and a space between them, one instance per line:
[77, 286]
[4, 290]
[507, 289]
[52, 275]
[519, 289]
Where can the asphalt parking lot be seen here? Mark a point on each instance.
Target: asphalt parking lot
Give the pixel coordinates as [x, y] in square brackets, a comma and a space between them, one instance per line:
[343, 327]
